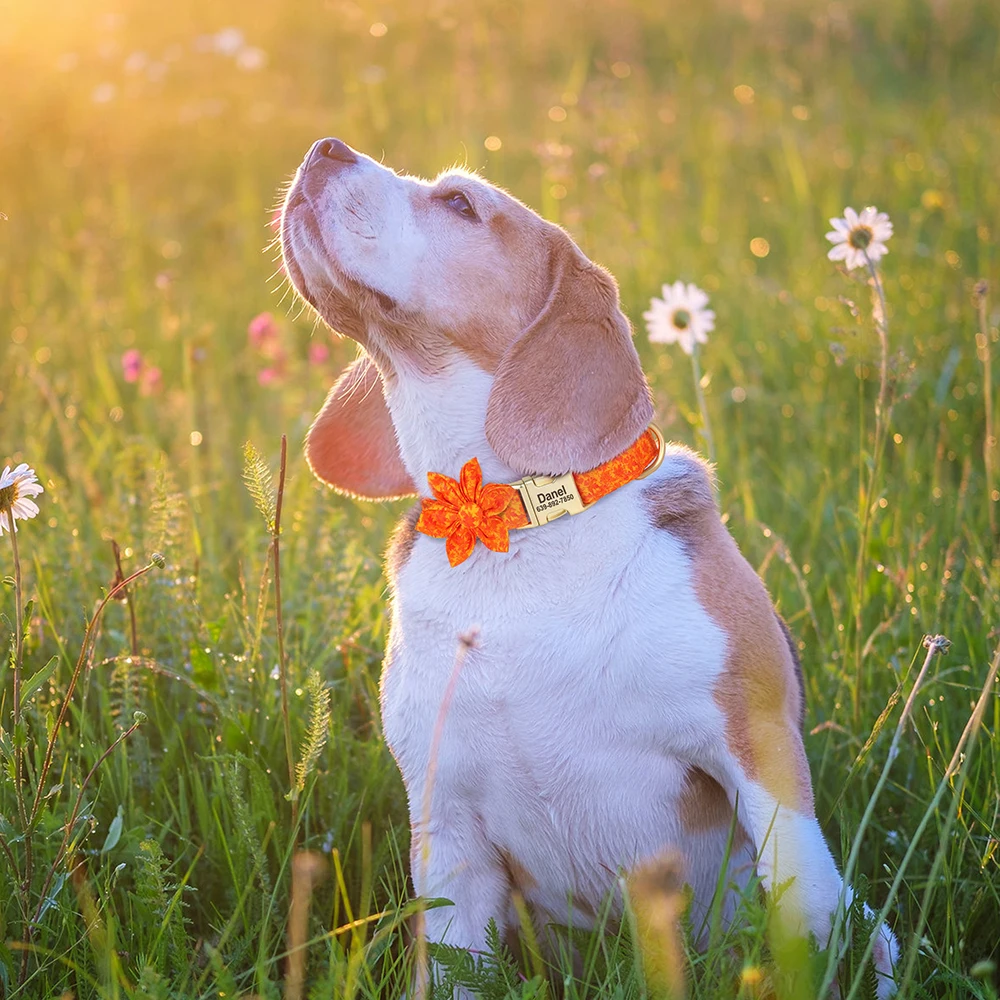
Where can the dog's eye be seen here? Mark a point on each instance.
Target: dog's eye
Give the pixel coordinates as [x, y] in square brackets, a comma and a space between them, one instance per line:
[457, 201]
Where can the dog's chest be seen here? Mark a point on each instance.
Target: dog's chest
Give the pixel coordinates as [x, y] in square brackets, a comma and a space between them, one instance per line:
[567, 681]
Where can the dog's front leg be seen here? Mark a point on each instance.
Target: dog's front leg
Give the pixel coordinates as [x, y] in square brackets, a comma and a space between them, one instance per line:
[451, 859]
[769, 782]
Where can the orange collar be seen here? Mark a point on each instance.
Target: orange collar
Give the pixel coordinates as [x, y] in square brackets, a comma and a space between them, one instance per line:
[462, 511]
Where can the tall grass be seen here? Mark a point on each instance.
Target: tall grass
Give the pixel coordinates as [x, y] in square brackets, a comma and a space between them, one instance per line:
[139, 163]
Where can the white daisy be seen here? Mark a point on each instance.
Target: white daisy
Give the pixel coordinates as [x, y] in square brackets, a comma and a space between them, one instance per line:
[15, 489]
[855, 236]
[680, 317]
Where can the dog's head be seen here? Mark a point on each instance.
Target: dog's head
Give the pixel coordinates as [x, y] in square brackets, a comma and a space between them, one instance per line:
[423, 274]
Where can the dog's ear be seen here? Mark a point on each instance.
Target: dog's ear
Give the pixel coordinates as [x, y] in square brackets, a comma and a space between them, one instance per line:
[569, 393]
[352, 442]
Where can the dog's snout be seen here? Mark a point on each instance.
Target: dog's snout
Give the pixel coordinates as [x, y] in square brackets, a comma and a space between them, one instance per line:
[332, 149]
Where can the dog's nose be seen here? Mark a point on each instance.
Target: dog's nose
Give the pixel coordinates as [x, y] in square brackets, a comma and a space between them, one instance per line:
[333, 149]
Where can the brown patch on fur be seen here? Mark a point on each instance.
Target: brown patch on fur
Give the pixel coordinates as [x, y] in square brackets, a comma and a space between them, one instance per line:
[679, 502]
[404, 537]
[758, 691]
[569, 392]
[521, 880]
[704, 805]
[482, 345]
[501, 225]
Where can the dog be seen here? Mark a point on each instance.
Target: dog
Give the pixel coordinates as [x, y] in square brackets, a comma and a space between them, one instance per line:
[629, 687]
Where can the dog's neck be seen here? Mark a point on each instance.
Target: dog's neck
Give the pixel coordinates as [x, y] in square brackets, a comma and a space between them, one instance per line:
[440, 421]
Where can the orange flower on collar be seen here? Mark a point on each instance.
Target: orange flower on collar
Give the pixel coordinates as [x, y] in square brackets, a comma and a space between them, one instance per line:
[466, 510]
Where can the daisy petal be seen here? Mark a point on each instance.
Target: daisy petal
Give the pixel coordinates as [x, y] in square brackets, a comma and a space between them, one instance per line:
[882, 231]
[696, 298]
[23, 507]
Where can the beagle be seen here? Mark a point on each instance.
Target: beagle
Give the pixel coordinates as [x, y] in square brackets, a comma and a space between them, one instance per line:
[624, 682]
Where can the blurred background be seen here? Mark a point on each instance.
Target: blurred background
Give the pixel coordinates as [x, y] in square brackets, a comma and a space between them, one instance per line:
[148, 333]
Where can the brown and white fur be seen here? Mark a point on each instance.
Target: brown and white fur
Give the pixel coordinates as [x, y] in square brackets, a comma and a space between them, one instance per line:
[630, 681]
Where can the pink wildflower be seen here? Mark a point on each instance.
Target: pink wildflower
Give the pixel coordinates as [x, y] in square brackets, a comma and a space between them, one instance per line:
[132, 365]
[261, 329]
[268, 376]
[318, 353]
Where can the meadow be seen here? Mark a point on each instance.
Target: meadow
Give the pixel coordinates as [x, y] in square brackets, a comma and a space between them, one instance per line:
[143, 149]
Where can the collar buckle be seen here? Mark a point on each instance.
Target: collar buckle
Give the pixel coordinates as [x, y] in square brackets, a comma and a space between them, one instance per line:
[547, 497]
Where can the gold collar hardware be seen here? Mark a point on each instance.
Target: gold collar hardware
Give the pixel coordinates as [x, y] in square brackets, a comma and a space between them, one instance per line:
[547, 497]
[661, 452]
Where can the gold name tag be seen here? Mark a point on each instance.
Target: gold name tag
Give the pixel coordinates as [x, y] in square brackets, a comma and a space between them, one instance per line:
[548, 497]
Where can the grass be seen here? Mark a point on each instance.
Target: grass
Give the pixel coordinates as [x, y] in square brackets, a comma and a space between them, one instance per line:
[137, 174]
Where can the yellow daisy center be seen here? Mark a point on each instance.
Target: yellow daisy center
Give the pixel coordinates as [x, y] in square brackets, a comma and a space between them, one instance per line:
[860, 237]
[8, 496]
[682, 319]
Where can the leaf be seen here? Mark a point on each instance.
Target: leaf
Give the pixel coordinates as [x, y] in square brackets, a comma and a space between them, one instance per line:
[6, 966]
[30, 686]
[114, 831]
[50, 900]
[947, 374]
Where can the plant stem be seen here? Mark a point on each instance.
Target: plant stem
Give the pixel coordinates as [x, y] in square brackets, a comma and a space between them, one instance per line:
[71, 822]
[282, 666]
[466, 641]
[18, 663]
[706, 427]
[961, 756]
[64, 707]
[933, 644]
[18, 618]
[969, 736]
[990, 443]
[883, 414]
[127, 597]
[23, 882]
